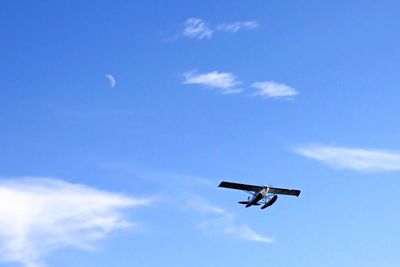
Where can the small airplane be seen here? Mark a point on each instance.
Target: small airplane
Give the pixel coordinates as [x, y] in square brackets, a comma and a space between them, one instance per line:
[266, 194]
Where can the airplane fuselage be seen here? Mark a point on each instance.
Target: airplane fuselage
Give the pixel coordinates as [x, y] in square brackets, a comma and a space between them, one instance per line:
[257, 197]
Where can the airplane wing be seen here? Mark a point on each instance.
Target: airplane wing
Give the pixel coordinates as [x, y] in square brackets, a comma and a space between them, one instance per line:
[256, 188]
[246, 187]
[283, 191]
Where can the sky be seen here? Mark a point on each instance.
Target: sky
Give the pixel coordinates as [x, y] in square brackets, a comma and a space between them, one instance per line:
[118, 120]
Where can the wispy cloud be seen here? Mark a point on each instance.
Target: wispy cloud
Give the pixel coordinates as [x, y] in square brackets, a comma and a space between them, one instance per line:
[358, 159]
[273, 89]
[38, 215]
[199, 29]
[237, 26]
[187, 193]
[225, 82]
[223, 221]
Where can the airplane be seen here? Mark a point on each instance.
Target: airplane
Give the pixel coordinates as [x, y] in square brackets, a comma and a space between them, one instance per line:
[266, 194]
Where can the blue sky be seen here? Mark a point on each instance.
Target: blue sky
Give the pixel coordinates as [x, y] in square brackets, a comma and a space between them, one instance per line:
[301, 95]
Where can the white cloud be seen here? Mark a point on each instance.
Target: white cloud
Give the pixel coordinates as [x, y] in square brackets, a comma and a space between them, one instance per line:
[199, 29]
[273, 89]
[38, 215]
[359, 159]
[237, 26]
[183, 195]
[223, 221]
[224, 81]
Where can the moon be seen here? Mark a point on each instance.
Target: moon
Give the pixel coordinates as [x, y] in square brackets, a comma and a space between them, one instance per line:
[111, 80]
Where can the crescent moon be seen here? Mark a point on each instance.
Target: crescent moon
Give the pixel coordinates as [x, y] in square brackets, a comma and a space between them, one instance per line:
[111, 80]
